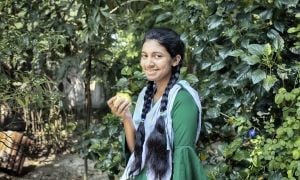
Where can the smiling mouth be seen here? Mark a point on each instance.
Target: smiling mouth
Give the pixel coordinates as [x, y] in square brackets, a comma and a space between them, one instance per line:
[151, 71]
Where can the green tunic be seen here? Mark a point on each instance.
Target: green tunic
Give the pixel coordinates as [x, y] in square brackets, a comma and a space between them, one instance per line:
[186, 163]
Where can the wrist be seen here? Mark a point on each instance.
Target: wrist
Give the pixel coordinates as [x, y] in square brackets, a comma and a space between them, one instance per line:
[126, 119]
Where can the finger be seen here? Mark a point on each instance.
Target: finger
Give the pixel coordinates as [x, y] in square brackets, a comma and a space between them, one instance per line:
[110, 102]
[127, 108]
[123, 106]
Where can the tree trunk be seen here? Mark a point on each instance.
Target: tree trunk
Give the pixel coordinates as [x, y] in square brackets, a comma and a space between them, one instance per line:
[88, 104]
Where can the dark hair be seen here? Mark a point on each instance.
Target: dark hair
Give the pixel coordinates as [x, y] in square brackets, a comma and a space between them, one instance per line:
[157, 156]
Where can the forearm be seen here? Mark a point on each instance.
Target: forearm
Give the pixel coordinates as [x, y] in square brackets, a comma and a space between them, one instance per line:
[129, 133]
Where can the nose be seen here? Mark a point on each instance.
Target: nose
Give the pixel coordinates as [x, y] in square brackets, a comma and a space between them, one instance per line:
[150, 62]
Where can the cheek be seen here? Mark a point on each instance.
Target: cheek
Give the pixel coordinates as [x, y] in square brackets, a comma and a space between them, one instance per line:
[142, 64]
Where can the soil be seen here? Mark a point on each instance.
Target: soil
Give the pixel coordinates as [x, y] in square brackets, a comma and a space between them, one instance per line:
[55, 167]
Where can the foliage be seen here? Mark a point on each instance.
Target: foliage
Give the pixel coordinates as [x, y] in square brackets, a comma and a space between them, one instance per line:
[102, 143]
[40, 42]
[238, 54]
[280, 146]
[273, 150]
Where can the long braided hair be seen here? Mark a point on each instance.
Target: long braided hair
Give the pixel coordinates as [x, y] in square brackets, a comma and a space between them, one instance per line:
[157, 156]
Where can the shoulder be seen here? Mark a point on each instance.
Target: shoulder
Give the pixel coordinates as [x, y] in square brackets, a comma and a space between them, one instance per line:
[183, 96]
[184, 101]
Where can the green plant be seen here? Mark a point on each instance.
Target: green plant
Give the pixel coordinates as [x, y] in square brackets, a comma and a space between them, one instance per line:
[272, 151]
[102, 143]
[238, 55]
[280, 146]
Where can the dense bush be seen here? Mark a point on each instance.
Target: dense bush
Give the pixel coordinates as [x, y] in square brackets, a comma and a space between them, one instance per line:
[239, 53]
[240, 56]
[102, 143]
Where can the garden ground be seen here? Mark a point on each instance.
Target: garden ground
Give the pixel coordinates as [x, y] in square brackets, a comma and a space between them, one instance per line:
[55, 167]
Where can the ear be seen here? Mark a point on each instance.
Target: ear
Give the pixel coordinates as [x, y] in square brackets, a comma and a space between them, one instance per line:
[177, 60]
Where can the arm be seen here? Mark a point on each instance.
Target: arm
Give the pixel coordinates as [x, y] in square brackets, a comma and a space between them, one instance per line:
[120, 108]
[185, 115]
[129, 133]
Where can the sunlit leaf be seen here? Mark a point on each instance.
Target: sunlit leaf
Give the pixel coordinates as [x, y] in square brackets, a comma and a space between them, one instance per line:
[278, 42]
[214, 22]
[258, 75]
[192, 79]
[255, 49]
[237, 53]
[251, 60]
[213, 112]
[269, 82]
[18, 25]
[163, 17]
[217, 66]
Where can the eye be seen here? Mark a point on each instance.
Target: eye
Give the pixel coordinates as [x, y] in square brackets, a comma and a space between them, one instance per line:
[144, 56]
[157, 56]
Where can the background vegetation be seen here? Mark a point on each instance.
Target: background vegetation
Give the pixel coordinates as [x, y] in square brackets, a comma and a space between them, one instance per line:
[242, 56]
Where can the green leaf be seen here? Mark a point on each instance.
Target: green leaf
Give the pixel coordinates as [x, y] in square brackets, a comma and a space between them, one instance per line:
[241, 155]
[258, 75]
[237, 53]
[205, 65]
[296, 91]
[267, 49]
[278, 42]
[232, 147]
[256, 161]
[214, 22]
[198, 50]
[222, 147]
[290, 132]
[251, 60]
[294, 29]
[221, 99]
[213, 112]
[126, 71]
[163, 17]
[291, 3]
[224, 52]
[269, 82]
[18, 25]
[217, 66]
[20, 102]
[279, 26]
[255, 49]
[192, 79]
[208, 127]
[289, 96]
[279, 98]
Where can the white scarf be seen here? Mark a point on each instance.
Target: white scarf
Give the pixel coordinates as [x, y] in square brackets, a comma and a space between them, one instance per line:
[150, 122]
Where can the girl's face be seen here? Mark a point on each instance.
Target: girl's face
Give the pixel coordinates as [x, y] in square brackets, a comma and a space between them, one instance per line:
[156, 62]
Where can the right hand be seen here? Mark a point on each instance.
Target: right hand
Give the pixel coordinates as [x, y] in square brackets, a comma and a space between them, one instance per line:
[120, 107]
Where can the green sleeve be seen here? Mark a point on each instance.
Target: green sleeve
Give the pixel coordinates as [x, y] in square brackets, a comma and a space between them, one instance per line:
[186, 163]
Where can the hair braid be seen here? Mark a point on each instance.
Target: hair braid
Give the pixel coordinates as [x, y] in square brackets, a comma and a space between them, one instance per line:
[140, 133]
[157, 156]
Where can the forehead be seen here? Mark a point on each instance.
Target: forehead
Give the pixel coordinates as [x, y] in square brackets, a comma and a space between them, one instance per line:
[152, 45]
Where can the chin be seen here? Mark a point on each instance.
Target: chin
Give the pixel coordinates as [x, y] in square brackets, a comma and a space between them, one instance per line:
[151, 78]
